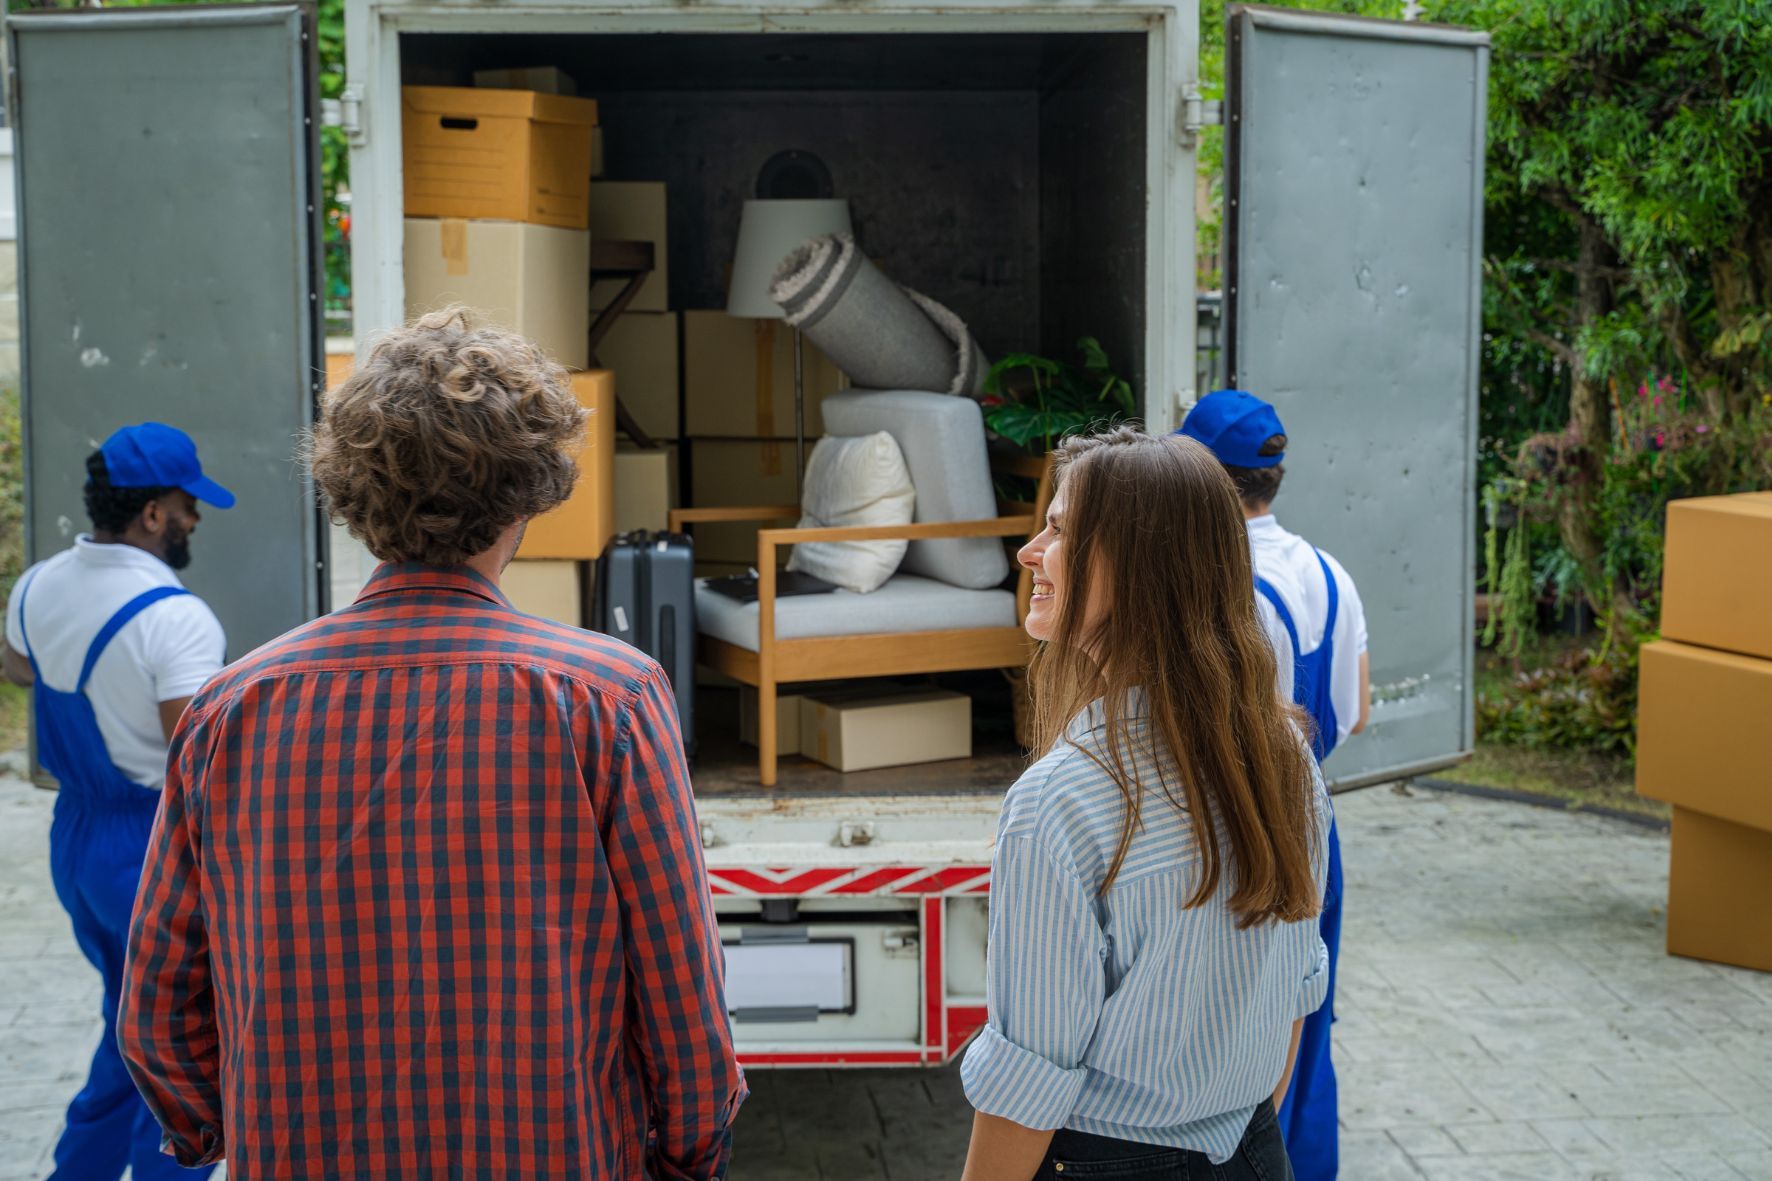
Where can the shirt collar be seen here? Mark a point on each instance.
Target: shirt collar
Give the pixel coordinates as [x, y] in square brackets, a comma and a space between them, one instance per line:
[1133, 713]
[407, 577]
[121, 553]
[1266, 525]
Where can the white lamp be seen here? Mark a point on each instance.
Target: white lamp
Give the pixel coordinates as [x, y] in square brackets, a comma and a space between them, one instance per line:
[768, 233]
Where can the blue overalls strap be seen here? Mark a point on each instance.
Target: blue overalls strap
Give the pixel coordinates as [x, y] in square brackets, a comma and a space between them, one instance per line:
[1273, 596]
[1334, 596]
[116, 623]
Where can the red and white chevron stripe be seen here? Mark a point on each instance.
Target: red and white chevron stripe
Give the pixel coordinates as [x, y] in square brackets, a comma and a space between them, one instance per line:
[804, 882]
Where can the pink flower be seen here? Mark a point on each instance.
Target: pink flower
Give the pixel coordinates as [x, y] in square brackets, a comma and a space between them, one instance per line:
[1657, 400]
[1665, 385]
[1643, 390]
[1703, 429]
[1660, 439]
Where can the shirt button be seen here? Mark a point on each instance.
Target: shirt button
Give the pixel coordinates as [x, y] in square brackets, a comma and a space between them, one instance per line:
[1058, 1166]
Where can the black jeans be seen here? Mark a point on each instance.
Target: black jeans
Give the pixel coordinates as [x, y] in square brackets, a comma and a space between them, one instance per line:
[1260, 1157]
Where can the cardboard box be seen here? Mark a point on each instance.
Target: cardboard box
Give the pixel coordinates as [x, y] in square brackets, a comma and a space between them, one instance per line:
[645, 488]
[542, 79]
[1701, 722]
[738, 378]
[1719, 879]
[552, 590]
[1717, 571]
[632, 211]
[787, 720]
[642, 349]
[528, 278]
[724, 472]
[582, 526]
[338, 367]
[512, 155]
[891, 730]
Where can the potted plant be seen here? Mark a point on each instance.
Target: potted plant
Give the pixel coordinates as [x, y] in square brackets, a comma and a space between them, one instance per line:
[1035, 401]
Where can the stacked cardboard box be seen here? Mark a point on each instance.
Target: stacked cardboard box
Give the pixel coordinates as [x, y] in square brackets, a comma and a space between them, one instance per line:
[1704, 698]
[498, 189]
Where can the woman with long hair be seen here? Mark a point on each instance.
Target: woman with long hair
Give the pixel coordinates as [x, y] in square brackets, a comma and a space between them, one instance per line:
[1152, 950]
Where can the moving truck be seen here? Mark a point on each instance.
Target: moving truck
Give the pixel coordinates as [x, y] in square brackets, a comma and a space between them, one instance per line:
[1031, 165]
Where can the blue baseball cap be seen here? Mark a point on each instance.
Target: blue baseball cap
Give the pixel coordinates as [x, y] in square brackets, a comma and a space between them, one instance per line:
[1233, 425]
[154, 455]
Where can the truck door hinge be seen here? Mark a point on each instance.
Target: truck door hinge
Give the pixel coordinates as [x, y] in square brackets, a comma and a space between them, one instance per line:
[1198, 112]
[345, 113]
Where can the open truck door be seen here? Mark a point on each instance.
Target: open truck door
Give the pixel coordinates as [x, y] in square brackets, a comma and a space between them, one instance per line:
[168, 190]
[1354, 194]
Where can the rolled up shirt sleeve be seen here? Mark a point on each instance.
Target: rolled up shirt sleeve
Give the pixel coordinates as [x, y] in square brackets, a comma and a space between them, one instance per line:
[1046, 983]
[1314, 989]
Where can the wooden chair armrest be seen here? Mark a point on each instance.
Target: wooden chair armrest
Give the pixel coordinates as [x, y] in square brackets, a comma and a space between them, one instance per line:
[750, 512]
[929, 531]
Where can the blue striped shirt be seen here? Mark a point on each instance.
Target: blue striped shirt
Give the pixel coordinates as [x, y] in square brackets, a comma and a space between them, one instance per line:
[1127, 1014]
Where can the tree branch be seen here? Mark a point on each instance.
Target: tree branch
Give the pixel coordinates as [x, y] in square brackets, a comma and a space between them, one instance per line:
[1561, 349]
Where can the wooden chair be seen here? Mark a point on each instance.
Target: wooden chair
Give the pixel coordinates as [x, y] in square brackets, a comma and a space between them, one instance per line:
[869, 654]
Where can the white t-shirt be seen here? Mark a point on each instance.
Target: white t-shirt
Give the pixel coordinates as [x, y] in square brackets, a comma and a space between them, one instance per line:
[1288, 562]
[165, 653]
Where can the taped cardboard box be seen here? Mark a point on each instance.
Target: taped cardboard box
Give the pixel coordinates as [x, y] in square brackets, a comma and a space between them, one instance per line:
[542, 79]
[726, 472]
[1719, 879]
[642, 349]
[513, 155]
[738, 378]
[787, 720]
[645, 488]
[1717, 572]
[552, 590]
[890, 730]
[1701, 732]
[632, 211]
[582, 526]
[528, 278]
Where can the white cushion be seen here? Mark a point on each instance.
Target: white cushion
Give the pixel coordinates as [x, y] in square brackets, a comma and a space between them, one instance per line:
[905, 603]
[942, 438]
[852, 481]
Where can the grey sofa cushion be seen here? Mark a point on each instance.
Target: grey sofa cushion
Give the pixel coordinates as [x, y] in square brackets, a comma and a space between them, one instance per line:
[942, 439]
[905, 603]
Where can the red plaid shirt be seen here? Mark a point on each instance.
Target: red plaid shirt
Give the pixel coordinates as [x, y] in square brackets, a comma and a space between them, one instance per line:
[425, 898]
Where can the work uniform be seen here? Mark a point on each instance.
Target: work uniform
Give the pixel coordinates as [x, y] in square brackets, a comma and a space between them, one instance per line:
[1319, 607]
[110, 633]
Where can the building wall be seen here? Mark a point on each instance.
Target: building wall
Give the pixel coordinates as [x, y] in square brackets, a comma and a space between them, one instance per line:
[8, 267]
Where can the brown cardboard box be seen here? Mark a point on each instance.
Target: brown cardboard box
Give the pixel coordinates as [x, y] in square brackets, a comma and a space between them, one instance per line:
[725, 472]
[1717, 571]
[632, 211]
[890, 730]
[642, 349]
[1719, 881]
[738, 378]
[528, 278]
[582, 526]
[787, 720]
[548, 589]
[1701, 722]
[513, 155]
[338, 367]
[645, 488]
[544, 79]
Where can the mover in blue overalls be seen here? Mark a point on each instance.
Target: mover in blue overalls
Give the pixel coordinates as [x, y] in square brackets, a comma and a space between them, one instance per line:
[113, 647]
[1325, 626]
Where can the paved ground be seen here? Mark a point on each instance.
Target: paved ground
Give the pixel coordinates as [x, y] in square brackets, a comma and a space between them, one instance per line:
[1507, 1012]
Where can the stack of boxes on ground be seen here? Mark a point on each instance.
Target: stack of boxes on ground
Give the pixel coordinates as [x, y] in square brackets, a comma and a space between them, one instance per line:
[506, 207]
[1704, 703]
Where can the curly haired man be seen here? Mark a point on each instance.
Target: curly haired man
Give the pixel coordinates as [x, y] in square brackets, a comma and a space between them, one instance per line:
[425, 897]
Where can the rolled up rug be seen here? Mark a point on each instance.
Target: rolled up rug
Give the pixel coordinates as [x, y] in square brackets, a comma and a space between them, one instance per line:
[882, 335]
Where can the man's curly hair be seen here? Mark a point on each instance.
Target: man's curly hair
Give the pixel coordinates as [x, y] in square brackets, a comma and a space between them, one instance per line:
[448, 434]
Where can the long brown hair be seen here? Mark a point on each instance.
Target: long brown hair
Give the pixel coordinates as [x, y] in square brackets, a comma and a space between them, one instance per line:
[1154, 521]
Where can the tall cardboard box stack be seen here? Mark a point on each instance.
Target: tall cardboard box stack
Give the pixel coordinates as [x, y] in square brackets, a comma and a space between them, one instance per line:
[1704, 701]
[738, 414]
[642, 347]
[498, 192]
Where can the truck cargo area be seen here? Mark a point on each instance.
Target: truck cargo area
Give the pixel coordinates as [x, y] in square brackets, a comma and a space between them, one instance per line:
[1003, 175]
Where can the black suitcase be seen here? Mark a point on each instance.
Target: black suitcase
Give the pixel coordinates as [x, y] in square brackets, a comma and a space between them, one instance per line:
[645, 596]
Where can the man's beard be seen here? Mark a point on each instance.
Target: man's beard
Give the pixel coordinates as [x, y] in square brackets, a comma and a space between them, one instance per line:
[178, 551]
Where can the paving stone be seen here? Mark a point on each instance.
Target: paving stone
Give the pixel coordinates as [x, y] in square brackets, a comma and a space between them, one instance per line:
[1497, 1138]
[1426, 1140]
[1375, 1156]
[1513, 1166]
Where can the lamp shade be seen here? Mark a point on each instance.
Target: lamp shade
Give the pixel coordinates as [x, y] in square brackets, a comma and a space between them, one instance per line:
[767, 233]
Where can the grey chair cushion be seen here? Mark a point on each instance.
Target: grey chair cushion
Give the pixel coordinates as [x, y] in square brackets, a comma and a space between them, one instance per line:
[905, 603]
[942, 438]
